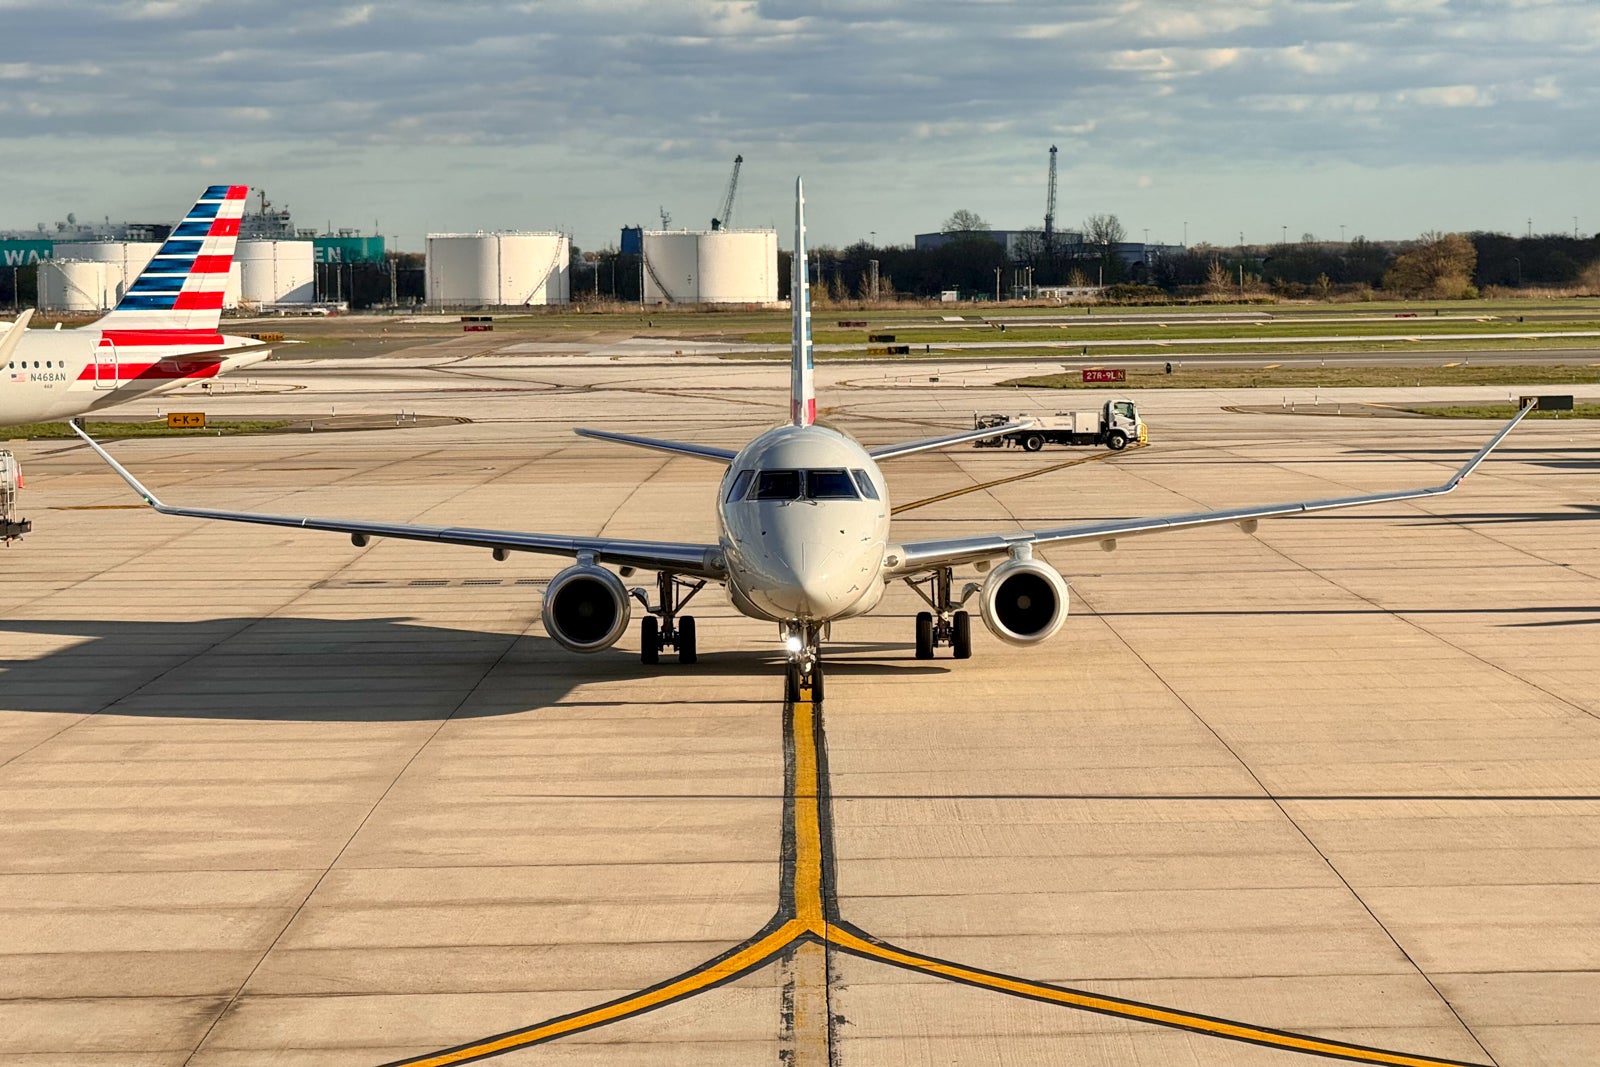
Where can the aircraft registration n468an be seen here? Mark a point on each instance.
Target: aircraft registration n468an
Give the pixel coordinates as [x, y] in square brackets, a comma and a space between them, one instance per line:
[804, 539]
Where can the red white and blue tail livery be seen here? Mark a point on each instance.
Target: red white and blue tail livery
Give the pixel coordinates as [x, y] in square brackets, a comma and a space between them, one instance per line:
[163, 333]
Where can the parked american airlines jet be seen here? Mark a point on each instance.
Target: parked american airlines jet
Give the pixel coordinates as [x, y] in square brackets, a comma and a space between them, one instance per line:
[804, 540]
[162, 334]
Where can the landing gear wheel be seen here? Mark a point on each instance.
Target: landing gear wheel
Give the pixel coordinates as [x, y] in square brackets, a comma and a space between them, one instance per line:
[961, 635]
[650, 640]
[791, 684]
[1033, 442]
[686, 649]
[816, 683]
[1117, 440]
[924, 635]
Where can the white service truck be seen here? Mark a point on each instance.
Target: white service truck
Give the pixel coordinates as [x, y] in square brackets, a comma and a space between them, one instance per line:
[1115, 424]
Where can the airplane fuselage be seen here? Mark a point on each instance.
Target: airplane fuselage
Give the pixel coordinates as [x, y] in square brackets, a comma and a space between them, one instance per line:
[56, 374]
[803, 517]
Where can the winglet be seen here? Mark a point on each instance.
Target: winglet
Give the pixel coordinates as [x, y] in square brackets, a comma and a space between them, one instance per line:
[13, 336]
[127, 476]
[802, 393]
[1470, 465]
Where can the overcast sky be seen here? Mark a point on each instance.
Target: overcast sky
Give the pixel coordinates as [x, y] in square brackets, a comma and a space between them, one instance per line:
[1384, 117]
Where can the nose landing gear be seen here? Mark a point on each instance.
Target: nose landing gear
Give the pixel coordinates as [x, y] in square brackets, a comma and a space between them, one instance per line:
[663, 627]
[946, 624]
[803, 673]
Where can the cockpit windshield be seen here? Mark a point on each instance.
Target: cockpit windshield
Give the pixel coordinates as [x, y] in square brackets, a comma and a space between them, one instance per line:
[830, 485]
[824, 484]
[777, 485]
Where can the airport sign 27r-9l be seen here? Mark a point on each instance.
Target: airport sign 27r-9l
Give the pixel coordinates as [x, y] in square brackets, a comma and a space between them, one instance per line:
[1102, 374]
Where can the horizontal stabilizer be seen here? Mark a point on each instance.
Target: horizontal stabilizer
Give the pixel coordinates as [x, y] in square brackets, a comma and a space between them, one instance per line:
[716, 455]
[927, 445]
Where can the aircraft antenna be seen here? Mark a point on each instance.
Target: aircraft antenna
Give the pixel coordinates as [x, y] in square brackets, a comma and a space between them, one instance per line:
[725, 218]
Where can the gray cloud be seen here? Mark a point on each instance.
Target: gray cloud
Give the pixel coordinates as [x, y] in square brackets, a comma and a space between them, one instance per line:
[589, 115]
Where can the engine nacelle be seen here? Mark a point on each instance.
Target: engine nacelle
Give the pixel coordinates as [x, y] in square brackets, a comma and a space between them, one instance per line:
[586, 608]
[1023, 601]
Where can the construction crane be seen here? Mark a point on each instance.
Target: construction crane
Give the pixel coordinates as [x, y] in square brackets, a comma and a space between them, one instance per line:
[1050, 208]
[725, 217]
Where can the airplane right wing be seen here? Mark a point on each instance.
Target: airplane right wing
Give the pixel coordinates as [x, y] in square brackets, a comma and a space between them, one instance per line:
[921, 556]
[699, 561]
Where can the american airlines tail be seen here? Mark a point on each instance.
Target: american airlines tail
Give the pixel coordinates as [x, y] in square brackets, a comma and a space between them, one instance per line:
[177, 300]
[802, 392]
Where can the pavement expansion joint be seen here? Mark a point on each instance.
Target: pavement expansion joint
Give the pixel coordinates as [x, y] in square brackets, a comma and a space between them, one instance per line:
[808, 925]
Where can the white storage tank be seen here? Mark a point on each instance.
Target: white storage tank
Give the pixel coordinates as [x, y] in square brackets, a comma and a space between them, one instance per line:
[498, 269]
[77, 285]
[275, 272]
[84, 289]
[711, 266]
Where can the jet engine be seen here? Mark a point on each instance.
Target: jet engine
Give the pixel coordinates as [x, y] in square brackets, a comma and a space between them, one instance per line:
[586, 608]
[1023, 601]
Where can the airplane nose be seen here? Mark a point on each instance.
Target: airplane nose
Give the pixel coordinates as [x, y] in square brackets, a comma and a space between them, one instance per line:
[814, 578]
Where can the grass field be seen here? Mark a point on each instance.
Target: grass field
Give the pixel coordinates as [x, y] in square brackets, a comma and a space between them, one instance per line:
[1322, 378]
[57, 431]
[1504, 411]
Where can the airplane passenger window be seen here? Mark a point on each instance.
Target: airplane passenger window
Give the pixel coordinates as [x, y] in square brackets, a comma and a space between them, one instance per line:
[868, 490]
[830, 485]
[778, 485]
[740, 484]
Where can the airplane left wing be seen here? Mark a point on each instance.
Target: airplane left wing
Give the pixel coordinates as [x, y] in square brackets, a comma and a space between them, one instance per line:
[928, 444]
[700, 561]
[920, 556]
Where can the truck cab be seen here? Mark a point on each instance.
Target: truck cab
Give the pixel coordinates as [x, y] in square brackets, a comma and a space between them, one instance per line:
[1120, 420]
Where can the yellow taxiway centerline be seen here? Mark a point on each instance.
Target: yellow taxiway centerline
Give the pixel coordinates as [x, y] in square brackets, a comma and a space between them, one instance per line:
[804, 917]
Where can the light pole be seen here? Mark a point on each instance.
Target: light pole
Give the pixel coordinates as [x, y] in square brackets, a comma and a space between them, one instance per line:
[1341, 233]
[1285, 235]
[1186, 233]
[1518, 261]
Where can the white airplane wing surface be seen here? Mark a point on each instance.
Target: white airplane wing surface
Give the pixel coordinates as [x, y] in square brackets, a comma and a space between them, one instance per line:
[700, 561]
[916, 556]
[929, 444]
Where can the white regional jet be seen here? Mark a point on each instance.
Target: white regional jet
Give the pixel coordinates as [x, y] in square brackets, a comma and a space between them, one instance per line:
[162, 334]
[804, 540]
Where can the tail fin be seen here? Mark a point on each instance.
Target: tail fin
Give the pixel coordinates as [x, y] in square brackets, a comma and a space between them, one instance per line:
[802, 393]
[180, 291]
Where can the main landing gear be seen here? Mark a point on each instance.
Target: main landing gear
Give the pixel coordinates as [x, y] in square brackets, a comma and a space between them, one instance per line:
[803, 643]
[946, 624]
[663, 627]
